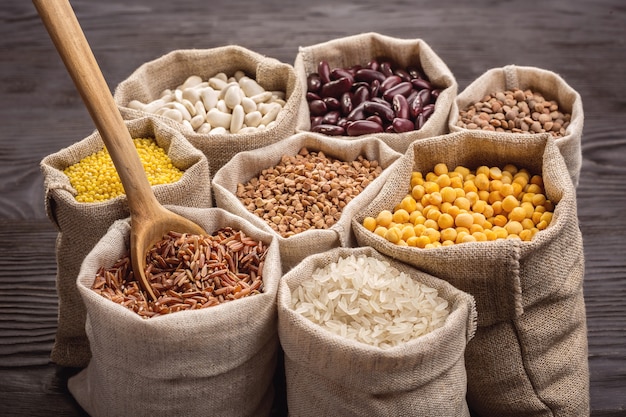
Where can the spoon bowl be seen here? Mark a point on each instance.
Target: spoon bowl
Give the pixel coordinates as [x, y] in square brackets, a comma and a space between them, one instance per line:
[150, 221]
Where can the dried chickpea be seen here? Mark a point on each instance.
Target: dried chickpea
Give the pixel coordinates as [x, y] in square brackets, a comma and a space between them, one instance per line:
[384, 218]
[369, 223]
[452, 207]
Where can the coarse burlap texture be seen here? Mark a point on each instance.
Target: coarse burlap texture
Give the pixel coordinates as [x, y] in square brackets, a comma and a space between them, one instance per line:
[81, 225]
[551, 85]
[148, 81]
[529, 355]
[247, 165]
[362, 48]
[328, 375]
[214, 361]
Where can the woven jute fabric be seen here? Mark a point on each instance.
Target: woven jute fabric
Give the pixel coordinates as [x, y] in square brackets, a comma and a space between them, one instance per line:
[81, 225]
[529, 355]
[330, 375]
[149, 80]
[359, 50]
[214, 361]
[551, 85]
[247, 165]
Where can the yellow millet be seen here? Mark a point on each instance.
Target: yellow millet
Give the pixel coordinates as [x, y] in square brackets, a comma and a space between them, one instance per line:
[95, 179]
[445, 207]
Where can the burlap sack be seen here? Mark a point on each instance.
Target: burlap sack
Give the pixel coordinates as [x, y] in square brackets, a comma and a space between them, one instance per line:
[328, 375]
[217, 361]
[529, 355]
[551, 85]
[81, 225]
[247, 165]
[148, 81]
[360, 49]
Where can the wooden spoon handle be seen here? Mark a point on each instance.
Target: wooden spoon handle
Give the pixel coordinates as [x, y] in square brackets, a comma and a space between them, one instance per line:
[62, 25]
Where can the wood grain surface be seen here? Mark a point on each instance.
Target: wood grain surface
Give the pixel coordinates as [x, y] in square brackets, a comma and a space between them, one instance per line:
[41, 112]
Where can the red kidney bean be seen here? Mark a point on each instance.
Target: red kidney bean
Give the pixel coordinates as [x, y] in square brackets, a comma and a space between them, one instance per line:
[415, 72]
[317, 108]
[401, 125]
[374, 87]
[390, 82]
[368, 75]
[428, 110]
[403, 74]
[386, 68]
[419, 121]
[330, 130]
[424, 96]
[363, 127]
[310, 96]
[313, 83]
[379, 109]
[375, 118]
[361, 94]
[368, 99]
[332, 103]
[346, 102]
[400, 106]
[337, 73]
[373, 64]
[415, 106]
[316, 121]
[323, 69]
[404, 88]
[332, 117]
[336, 88]
[357, 113]
[421, 84]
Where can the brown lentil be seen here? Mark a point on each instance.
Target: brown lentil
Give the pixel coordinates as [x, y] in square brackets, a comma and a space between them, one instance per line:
[487, 204]
[306, 191]
[515, 111]
[188, 272]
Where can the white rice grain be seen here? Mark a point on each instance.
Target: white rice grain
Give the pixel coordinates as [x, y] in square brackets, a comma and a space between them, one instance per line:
[366, 299]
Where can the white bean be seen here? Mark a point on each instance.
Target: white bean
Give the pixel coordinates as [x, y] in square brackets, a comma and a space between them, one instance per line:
[270, 116]
[217, 83]
[250, 86]
[205, 128]
[197, 121]
[232, 97]
[261, 97]
[209, 97]
[173, 114]
[253, 118]
[137, 105]
[218, 119]
[191, 81]
[248, 104]
[219, 130]
[222, 104]
[236, 122]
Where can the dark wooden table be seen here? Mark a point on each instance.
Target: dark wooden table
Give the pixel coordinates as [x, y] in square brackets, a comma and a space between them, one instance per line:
[41, 112]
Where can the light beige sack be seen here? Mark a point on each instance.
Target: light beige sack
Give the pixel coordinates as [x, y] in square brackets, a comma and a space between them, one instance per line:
[362, 48]
[214, 361]
[148, 81]
[247, 165]
[551, 85]
[81, 225]
[330, 375]
[529, 355]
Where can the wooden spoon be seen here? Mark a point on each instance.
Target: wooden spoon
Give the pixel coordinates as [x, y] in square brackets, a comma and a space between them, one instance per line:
[150, 221]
